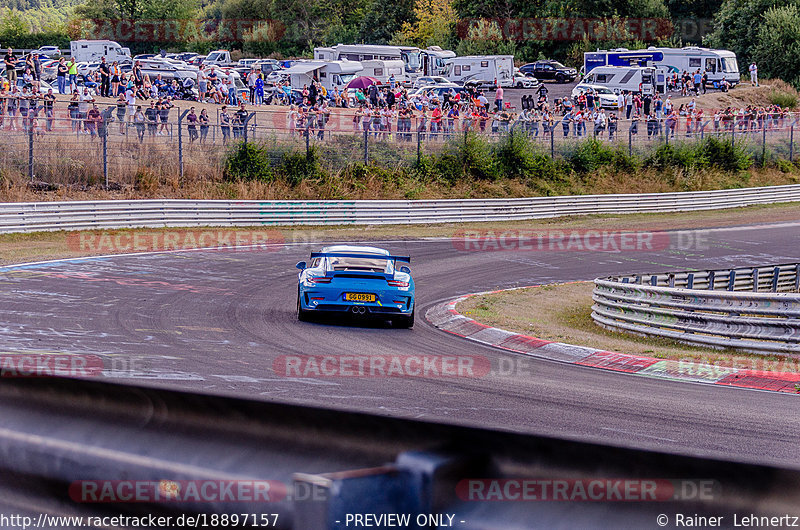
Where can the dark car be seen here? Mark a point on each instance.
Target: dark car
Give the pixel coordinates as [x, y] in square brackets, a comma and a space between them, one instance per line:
[549, 70]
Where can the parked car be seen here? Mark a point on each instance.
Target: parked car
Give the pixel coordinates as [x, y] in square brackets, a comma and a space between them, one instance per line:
[550, 70]
[608, 100]
[431, 80]
[49, 51]
[525, 81]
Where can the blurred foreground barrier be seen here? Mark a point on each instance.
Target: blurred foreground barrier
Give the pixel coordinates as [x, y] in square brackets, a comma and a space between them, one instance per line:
[89, 448]
[755, 309]
[85, 215]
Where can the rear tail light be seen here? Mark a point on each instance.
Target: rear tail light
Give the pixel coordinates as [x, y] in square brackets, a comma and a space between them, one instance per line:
[321, 279]
[397, 283]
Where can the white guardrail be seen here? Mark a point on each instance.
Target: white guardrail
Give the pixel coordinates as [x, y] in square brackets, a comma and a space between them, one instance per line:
[86, 215]
[753, 309]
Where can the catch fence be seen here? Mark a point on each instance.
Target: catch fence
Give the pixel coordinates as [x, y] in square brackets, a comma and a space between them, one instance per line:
[63, 147]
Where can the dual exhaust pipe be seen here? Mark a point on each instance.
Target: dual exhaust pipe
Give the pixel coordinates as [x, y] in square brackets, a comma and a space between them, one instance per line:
[358, 310]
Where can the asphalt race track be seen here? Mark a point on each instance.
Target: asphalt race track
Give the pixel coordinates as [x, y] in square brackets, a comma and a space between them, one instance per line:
[215, 321]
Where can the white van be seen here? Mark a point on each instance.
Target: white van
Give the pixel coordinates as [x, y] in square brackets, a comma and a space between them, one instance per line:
[383, 70]
[492, 70]
[91, 51]
[620, 78]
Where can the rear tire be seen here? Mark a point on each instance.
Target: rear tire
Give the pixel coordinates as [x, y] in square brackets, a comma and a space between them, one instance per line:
[406, 322]
[302, 314]
[560, 79]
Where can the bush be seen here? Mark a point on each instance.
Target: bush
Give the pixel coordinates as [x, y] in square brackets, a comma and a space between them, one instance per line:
[710, 152]
[247, 161]
[297, 166]
[783, 99]
[517, 157]
[593, 154]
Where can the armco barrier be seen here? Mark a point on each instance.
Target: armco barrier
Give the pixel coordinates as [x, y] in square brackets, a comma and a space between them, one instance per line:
[84, 215]
[755, 309]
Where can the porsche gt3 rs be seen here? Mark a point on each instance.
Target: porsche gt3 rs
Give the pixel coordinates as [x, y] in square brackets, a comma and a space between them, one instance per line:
[359, 281]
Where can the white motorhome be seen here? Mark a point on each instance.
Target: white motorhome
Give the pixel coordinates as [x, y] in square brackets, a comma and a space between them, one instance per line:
[620, 78]
[383, 70]
[719, 64]
[430, 61]
[329, 73]
[492, 70]
[91, 51]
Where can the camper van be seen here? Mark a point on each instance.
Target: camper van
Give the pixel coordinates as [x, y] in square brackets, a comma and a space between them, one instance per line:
[91, 51]
[491, 70]
[417, 62]
[383, 70]
[329, 73]
[719, 64]
[624, 78]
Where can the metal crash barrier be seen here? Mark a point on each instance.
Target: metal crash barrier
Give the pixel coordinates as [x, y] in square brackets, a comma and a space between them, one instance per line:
[754, 309]
[87, 215]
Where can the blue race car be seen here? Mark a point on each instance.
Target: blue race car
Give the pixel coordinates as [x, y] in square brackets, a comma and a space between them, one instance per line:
[360, 281]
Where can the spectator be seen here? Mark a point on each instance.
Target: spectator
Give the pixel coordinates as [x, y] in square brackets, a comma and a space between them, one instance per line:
[61, 76]
[204, 121]
[11, 67]
[92, 119]
[122, 105]
[72, 71]
[151, 116]
[105, 78]
[138, 121]
[753, 74]
[225, 124]
[498, 99]
[191, 126]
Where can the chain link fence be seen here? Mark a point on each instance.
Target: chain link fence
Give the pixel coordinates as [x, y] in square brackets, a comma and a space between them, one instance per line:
[63, 146]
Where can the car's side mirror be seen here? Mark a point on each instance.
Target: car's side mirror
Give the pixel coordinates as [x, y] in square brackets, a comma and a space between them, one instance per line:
[301, 265]
[405, 269]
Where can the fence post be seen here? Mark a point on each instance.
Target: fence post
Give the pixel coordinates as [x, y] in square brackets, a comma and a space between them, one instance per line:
[104, 139]
[246, 124]
[366, 146]
[308, 139]
[419, 148]
[791, 143]
[711, 278]
[30, 151]
[763, 146]
[776, 272]
[732, 280]
[552, 141]
[630, 143]
[755, 279]
[180, 142]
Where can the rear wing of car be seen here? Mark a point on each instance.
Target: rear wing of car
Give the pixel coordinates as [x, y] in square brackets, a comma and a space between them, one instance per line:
[403, 259]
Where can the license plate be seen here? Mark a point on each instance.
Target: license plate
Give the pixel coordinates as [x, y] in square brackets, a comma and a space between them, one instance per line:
[359, 297]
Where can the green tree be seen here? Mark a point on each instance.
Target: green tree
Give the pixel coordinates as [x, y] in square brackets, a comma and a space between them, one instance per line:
[777, 49]
[434, 21]
[737, 25]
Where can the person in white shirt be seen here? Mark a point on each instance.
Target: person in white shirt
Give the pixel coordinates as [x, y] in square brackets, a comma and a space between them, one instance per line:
[130, 100]
[753, 74]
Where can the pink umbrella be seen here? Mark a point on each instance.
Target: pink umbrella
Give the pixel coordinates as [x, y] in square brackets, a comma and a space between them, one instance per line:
[362, 82]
